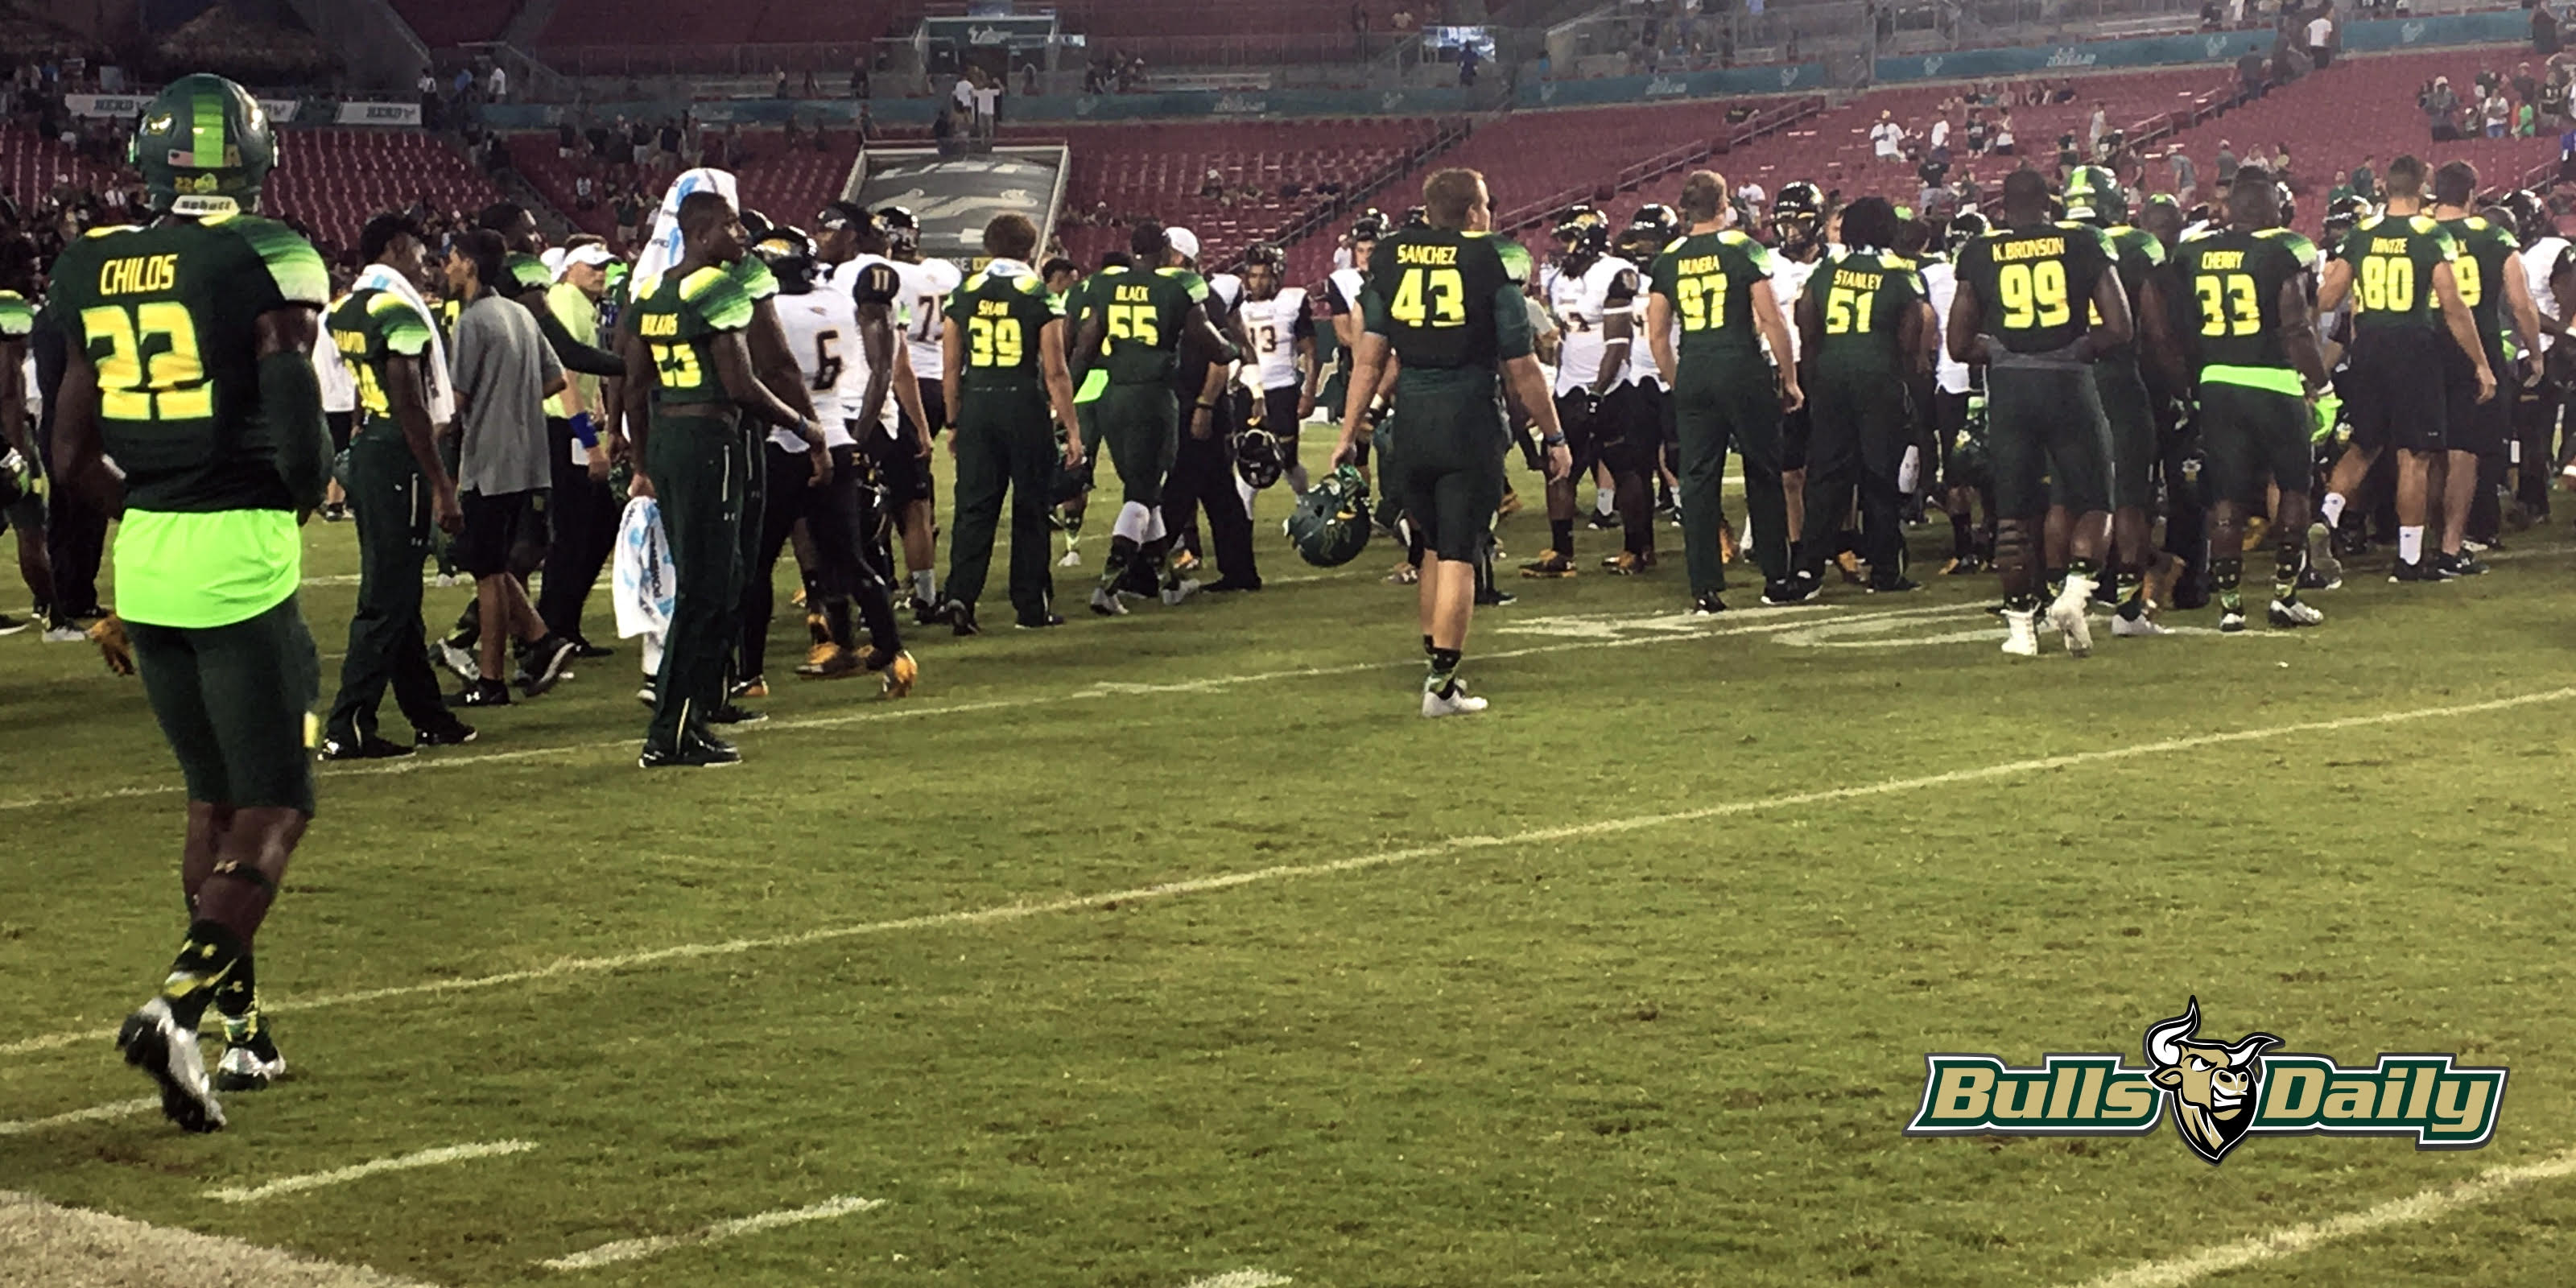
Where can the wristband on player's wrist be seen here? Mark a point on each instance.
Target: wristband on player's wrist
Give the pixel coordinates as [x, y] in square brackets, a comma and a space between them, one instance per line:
[1552, 440]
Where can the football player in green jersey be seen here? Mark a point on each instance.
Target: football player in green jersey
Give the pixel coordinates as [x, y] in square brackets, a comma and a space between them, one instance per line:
[2398, 271]
[2094, 196]
[190, 363]
[2255, 355]
[1867, 330]
[1712, 288]
[2020, 310]
[1134, 323]
[687, 353]
[398, 488]
[1444, 302]
[2491, 281]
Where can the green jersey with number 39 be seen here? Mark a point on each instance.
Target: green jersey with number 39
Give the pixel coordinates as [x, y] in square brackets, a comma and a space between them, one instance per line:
[2036, 283]
[999, 313]
[2393, 258]
[1708, 278]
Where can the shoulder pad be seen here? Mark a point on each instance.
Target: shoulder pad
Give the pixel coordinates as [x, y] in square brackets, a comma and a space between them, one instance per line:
[298, 270]
[1031, 284]
[2423, 223]
[975, 283]
[699, 282]
[1897, 263]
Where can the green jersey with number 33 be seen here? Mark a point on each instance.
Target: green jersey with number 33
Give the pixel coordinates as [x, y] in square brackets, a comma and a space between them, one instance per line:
[1708, 279]
[2393, 258]
[2235, 279]
[2036, 283]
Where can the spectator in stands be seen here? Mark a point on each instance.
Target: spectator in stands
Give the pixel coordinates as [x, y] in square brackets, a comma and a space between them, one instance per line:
[1939, 138]
[1359, 29]
[2067, 156]
[2003, 136]
[2497, 113]
[2365, 178]
[2526, 86]
[2321, 30]
[585, 193]
[629, 209]
[859, 84]
[867, 126]
[496, 87]
[1028, 80]
[2544, 30]
[778, 87]
[810, 88]
[988, 107]
[961, 97]
[1466, 64]
[1976, 134]
[2226, 163]
[2281, 166]
[2096, 126]
[2211, 15]
[2186, 179]
[2441, 110]
[1887, 138]
[943, 133]
[2249, 78]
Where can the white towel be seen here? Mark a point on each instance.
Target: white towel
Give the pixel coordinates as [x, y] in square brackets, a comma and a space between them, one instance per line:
[442, 387]
[663, 248]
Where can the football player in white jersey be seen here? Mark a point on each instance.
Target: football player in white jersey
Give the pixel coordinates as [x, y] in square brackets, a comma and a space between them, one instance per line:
[1797, 225]
[1638, 412]
[2549, 266]
[855, 243]
[926, 284]
[822, 327]
[1593, 295]
[1954, 383]
[1342, 299]
[1279, 336]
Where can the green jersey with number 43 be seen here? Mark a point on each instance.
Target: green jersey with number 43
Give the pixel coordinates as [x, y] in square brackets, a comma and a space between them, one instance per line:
[1143, 312]
[2235, 279]
[2036, 283]
[2393, 258]
[1447, 298]
[1863, 297]
[679, 320]
[1709, 280]
[166, 314]
[369, 327]
[999, 313]
[2485, 248]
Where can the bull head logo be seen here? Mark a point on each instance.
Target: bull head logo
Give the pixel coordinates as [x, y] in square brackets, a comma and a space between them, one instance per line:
[2215, 1087]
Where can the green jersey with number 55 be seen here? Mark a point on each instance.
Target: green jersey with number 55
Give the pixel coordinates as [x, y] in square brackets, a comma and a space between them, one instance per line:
[999, 313]
[166, 316]
[2036, 283]
[1143, 312]
[1447, 298]
[2393, 258]
[1708, 278]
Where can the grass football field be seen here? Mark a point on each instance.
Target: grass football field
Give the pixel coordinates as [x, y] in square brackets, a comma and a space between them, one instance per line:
[1179, 950]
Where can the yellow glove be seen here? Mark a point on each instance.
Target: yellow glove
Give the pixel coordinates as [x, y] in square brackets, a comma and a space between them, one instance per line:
[109, 635]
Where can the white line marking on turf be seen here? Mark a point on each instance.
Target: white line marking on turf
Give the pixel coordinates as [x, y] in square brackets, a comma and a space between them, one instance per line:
[2415, 1209]
[609, 1254]
[1009, 912]
[439, 1157]
[1769, 620]
[49, 1244]
[1241, 1279]
[95, 1113]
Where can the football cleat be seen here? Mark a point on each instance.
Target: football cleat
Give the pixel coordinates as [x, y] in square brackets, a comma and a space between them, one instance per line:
[1796, 588]
[2066, 613]
[1405, 574]
[900, 674]
[830, 662]
[1606, 522]
[1458, 703]
[729, 713]
[2021, 632]
[546, 660]
[1551, 564]
[927, 613]
[1900, 586]
[2231, 620]
[1042, 623]
[370, 747]
[460, 661]
[960, 617]
[755, 687]
[822, 652]
[2322, 563]
[1185, 561]
[1629, 563]
[2420, 570]
[456, 733]
[1177, 591]
[1072, 558]
[648, 696]
[691, 753]
[482, 693]
[1848, 563]
[153, 1042]
[1494, 597]
[2453, 567]
[250, 1065]
[2289, 614]
[1105, 602]
[2139, 627]
[1708, 605]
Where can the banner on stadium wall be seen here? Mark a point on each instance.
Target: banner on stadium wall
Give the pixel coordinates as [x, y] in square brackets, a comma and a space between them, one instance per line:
[1732, 81]
[2217, 47]
[379, 114]
[127, 106]
[954, 197]
[839, 114]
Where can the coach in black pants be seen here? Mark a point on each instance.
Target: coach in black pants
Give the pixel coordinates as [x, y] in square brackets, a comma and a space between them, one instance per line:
[1203, 476]
[839, 516]
[583, 513]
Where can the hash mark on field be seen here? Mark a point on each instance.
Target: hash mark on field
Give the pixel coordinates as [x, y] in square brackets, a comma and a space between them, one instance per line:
[95, 1113]
[342, 1176]
[608, 1254]
[1240, 1279]
[1771, 620]
[2415, 1209]
[51, 1244]
[1010, 912]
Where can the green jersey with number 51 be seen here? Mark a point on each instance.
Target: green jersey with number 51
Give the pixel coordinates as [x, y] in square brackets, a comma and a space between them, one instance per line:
[1709, 278]
[166, 315]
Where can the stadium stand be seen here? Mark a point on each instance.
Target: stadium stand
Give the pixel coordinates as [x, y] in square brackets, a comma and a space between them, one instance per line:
[444, 23]
[679, 24]
[333, 179]
[787, 184]
[32, 165]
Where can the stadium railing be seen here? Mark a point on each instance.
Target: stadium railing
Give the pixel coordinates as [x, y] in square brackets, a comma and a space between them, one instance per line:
[1767, 121]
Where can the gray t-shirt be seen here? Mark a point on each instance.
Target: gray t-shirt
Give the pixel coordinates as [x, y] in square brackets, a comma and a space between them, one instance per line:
[502, 365]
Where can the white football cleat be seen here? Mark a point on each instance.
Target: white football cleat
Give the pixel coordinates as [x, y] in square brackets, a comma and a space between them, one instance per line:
[1177, 592]
[1458, 703]
[2289, 614]
[153, 1042]
[2021, 633]
[2141, 626]
[1105, 602]
[241, 1069]
[2067, 615]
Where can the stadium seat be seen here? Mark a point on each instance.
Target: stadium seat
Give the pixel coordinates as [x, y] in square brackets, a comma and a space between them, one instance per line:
[444, 23]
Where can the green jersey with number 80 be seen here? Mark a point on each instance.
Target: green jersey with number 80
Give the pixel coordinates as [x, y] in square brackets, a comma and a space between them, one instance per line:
[1709, 278]
[2393, 258]
[2036, 283]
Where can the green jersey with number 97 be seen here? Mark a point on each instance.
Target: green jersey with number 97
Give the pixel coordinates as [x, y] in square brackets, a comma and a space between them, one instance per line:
[1708, 278]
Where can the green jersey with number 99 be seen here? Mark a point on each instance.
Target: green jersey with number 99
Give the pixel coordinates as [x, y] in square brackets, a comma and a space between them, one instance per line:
[999, 314]
[1708, 279]
[2393, 258]
[2036, 283]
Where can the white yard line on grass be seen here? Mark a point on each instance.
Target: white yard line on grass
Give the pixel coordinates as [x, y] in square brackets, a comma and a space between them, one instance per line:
[1010, 912]
[43, 1243]
[1767, 621]
[609, 1254]
[1240, 1279]
[2415, 1209]
[438, 1157]
[95, 1113]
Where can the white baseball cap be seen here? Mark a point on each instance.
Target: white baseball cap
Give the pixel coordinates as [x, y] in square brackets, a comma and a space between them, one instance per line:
[594, 254]
[1184, 241]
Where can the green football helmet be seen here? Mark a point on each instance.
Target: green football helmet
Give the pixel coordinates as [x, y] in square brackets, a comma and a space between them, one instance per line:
[2094, 196]
[1330, 525]
[204, 147]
